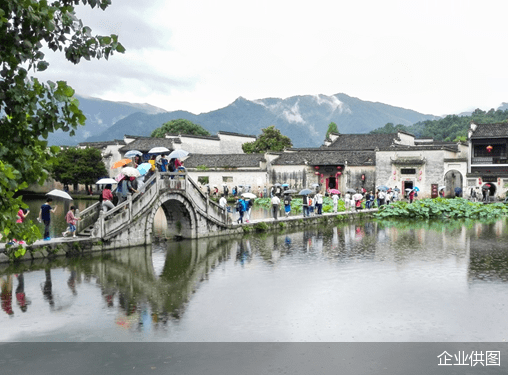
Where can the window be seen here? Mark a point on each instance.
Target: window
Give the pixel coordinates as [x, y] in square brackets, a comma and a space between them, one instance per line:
[496, 150]
[203, 180]
[471, 182]
[227, 179]
[408, 171]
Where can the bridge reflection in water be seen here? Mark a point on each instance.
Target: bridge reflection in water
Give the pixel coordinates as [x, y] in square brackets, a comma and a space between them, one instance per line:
[154, 285]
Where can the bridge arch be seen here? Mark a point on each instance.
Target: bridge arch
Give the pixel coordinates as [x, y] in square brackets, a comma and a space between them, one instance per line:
[180, 215]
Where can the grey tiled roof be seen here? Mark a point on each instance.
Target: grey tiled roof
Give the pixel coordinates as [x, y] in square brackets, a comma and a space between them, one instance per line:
[224, 160]
[144, 144]
[490, 131]
[326, 157]
[362, 141]
[101, 144]
[449, 146]
[236, 134]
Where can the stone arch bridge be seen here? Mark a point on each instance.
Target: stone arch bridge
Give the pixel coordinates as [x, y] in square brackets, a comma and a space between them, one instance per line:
[189, 213]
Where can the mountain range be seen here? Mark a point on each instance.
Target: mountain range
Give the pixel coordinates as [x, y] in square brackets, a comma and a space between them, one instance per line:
[304, 119]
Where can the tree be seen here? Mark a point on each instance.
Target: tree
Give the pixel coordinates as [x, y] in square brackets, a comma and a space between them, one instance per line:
[78, 166]
[30, 109]
[332, 128]
[270, 139]
[179, 126]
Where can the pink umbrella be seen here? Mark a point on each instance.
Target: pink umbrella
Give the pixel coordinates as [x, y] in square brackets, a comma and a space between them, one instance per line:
[119, 177]
[334, 191]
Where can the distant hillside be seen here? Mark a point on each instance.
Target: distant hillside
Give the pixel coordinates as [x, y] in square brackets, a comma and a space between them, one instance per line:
[304, 119]
[100, 116]
[449, 128]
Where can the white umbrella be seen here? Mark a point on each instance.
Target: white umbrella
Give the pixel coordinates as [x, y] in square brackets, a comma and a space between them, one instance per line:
[178, 154]
[441, 188]
[409, 189]
[132, 153]
[106, 181]
[158, 150]
[59, 194]
[130, 172]
[249, 195]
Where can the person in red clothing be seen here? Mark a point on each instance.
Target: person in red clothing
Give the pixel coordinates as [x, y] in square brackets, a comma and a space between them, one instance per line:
[72, 221]
[107, 199]
[411, 196]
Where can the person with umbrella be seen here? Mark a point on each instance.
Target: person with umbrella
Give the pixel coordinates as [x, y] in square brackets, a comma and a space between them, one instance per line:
[107, 199]
[275, 206]
[335, 200]
[319, 202]
[305, 205]
[411, 196]
[45, 215]
[287, 204]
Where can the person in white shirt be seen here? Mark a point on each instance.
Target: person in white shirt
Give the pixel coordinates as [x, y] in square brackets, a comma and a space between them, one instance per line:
[347, 200]
[223, 202]
[319, 203]
[275, 206]
[335, 199]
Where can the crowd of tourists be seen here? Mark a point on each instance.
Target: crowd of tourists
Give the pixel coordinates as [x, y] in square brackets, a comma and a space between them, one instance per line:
[312, 203]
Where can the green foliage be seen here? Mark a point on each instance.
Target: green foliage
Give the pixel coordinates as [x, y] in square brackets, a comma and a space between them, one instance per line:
[270, 139]
[261, 227]
[442, 208]
[78, 165]
[451, 128]
[332, 128]
[31, 109]
[179, 126]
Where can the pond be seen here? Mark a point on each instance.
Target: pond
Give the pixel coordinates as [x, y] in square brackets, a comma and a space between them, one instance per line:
[355, 282]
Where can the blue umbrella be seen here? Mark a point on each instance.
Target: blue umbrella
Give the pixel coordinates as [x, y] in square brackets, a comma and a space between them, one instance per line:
[383, 187]
[132, 153]
[416, 188]
[144, 168]
[285, 185]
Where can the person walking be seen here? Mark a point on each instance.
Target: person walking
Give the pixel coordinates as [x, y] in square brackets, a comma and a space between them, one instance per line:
[71, 220]
[240, 208]
[305, 205]
[335, 200]
[275, 206]
[107, 199]
[319, 203]
[411, 196]
[287, 204]
[45, 216]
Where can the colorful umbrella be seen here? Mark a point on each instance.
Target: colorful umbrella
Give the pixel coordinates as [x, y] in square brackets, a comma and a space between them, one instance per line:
[383, 187]
[144, 168]
[416, 188]
[121, 163]
[119, 177]
[334, 191]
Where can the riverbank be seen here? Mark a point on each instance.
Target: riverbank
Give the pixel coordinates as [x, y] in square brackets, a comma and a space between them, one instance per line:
[70, 246]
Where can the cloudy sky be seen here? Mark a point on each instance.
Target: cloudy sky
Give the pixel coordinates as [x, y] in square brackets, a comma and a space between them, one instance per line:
[435, 57]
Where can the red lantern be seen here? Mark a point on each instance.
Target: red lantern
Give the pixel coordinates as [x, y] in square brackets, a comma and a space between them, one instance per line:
[363, 177]
[316, 167]
[479, 181]
[339, 173]
[339, 167]
[489, 148]
[316, 173]
[322, 175]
